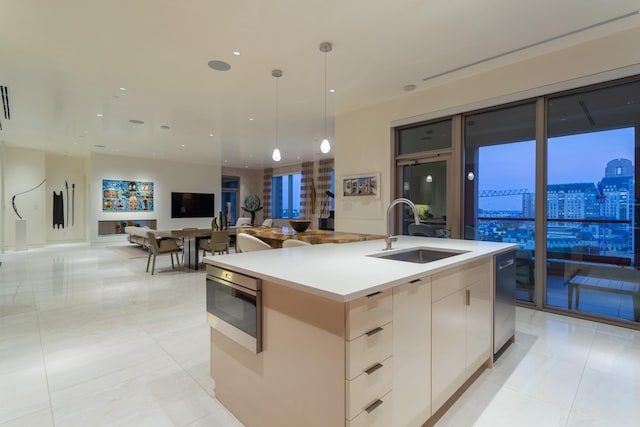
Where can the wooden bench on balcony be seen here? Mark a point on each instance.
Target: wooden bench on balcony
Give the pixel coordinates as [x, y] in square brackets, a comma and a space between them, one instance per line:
[615, 280]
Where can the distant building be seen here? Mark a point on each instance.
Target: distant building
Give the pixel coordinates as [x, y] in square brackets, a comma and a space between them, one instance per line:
[572, 201]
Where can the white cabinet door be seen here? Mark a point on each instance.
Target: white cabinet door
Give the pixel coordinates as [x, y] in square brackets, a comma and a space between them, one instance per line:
[448, 351]
[412, 353]
[479, 313]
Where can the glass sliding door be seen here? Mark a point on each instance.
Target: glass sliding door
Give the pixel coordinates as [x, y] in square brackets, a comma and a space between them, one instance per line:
[499, 184]
[423, 161]
[592, 213]
[425, 184]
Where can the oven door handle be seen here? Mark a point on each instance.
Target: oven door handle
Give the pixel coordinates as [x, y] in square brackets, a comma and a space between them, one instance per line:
[233, 285]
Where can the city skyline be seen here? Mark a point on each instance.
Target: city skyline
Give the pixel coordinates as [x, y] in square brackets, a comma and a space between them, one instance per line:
[579, 158]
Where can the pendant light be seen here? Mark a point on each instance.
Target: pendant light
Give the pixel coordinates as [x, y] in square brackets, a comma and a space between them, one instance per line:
[276, 152]
[325, 47]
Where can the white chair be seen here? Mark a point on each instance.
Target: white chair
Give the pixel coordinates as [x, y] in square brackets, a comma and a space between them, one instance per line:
[267, 223]
[290, 243]
[243, 222]
[248, 243]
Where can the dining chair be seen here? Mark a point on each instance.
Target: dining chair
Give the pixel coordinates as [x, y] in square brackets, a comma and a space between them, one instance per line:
[159, 247]
[290, 243]
[243, 221]
[267, 223]
[218, 243]
[248, 243]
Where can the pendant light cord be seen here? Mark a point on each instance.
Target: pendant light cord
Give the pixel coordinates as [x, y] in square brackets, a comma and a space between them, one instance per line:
[325, 95]
[276, 112]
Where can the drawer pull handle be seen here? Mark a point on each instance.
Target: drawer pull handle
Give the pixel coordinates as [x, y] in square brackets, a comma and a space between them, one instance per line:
[373, 406]
[374, 294]
[467, 296]
[374, 331]
[415, 281]
[374, 368]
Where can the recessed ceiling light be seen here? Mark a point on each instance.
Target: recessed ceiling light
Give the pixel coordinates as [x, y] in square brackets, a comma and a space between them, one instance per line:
[332, 91]
[250, 119]
[219, 65]
[123, 89]
[236, 53]
[165, 127]
[181, 145]
[409, 88]
[136, 121]
[99, 115]
[210, 134]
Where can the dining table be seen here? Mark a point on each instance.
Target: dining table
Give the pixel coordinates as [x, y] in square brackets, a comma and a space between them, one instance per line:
[275, 236]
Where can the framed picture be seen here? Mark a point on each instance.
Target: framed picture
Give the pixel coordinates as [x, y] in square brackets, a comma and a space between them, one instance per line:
[363, 185]
[121, 196]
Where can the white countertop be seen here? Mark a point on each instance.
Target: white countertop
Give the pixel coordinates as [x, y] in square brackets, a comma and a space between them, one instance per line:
[344, 272]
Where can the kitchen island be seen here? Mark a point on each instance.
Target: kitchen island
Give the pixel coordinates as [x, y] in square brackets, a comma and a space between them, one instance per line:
[352, 339]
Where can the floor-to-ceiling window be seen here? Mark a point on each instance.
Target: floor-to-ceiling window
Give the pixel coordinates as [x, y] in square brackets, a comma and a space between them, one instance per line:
[230, 196]
[592, 247]
[285, 196]
[499, 184]
[578, 246]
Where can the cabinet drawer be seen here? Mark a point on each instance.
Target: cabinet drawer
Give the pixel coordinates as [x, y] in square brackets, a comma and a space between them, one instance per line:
[450, 281]
[368, 349]
[367, 313]
[378, 415]
[367, 387]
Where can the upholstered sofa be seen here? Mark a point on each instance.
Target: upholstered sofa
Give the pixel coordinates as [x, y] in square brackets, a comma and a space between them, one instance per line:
[137, 235]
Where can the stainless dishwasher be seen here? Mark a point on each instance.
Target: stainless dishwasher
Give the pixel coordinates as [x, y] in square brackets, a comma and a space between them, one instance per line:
[504, 311]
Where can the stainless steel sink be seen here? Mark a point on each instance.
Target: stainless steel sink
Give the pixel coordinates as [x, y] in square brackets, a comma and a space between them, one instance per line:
[419, 255]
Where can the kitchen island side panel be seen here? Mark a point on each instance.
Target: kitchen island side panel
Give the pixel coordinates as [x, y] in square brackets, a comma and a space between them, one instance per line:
[298, 379]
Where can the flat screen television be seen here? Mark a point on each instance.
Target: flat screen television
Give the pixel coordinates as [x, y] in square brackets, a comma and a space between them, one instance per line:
[192, 205]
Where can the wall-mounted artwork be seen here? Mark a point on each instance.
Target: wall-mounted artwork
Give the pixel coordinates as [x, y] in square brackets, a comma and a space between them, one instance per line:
[361, 185]
[118, 195]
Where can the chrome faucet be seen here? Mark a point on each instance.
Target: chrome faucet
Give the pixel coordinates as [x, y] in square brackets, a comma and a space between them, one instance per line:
[389, 238]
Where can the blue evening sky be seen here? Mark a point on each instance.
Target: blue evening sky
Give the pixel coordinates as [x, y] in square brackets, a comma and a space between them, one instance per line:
[572, 159]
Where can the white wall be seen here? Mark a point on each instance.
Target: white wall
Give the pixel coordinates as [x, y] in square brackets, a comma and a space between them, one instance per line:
[24, 169]
[363, 137]
[166, 176]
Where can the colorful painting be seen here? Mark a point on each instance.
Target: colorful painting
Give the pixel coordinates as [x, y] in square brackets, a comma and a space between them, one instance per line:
[361, 185]
[127, 196]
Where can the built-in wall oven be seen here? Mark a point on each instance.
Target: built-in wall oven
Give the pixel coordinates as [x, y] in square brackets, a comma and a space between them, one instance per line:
[234, 306]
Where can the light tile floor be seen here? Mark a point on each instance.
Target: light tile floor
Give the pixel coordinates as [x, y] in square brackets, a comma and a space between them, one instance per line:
[87, 338]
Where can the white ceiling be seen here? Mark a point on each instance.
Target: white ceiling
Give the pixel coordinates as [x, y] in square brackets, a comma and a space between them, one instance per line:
[65, 61]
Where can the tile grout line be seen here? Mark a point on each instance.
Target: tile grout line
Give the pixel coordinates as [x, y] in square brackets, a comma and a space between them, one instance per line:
[44, 362]
[584, 367]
